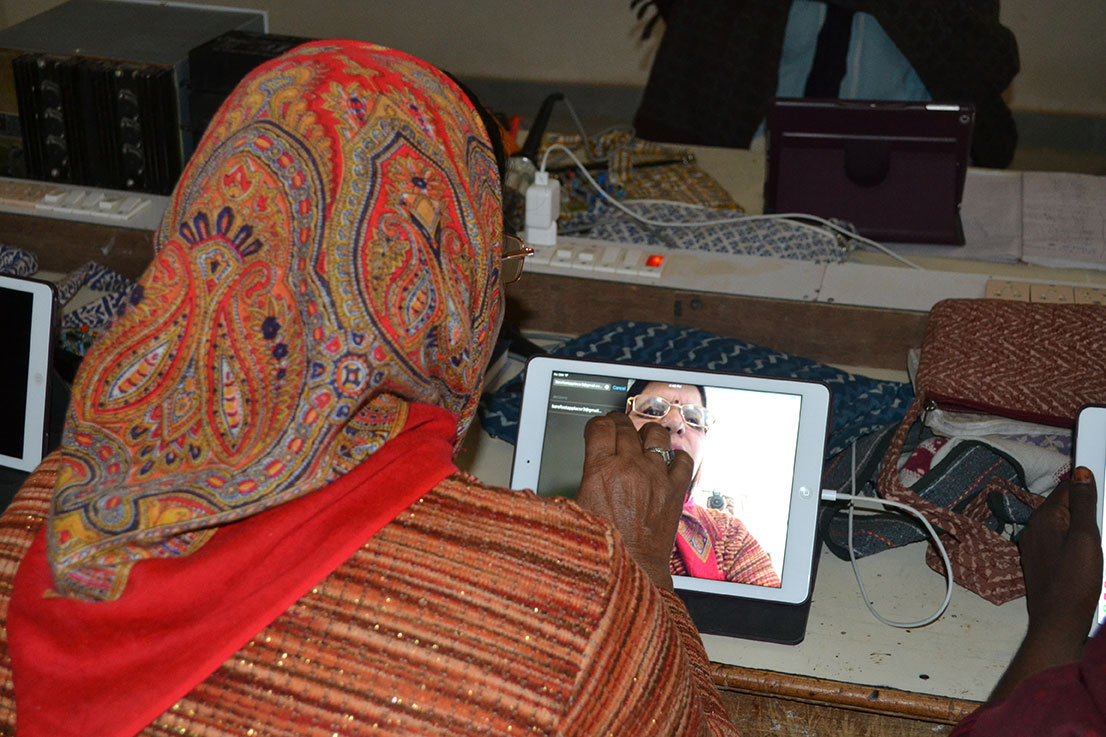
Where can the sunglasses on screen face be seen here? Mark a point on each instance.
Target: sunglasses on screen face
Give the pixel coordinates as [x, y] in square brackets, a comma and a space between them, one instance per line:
[514, 256]
[657, 408]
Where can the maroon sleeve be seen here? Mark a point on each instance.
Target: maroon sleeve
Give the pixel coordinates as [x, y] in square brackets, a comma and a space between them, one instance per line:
[1067, 700]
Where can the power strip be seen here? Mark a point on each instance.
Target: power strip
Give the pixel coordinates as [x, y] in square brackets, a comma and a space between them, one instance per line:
[865, 285]
[752, 276]
[96, 205]
[1021, 291]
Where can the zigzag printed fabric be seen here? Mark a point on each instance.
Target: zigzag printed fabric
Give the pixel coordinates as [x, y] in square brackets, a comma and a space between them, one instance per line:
[860, 405]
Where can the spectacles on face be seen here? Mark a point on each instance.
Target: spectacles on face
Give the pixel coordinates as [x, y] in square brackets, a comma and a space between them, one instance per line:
[514, 256]
[657, 408]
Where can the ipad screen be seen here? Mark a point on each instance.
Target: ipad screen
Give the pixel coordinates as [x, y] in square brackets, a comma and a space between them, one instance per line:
[743, 443]
[15, 336]
[26, 334]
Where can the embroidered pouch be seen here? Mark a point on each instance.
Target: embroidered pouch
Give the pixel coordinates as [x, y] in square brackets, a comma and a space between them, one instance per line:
[1029, 361]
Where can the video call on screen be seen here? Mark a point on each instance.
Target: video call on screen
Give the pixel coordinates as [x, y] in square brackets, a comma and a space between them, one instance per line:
[15, 335]
[747, 464]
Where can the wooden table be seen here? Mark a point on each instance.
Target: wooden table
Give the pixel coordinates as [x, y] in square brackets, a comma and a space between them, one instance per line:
[831, 333]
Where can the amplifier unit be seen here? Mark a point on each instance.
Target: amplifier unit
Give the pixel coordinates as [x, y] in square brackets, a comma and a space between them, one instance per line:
[103, 89]
[96, 122]
[216, 68]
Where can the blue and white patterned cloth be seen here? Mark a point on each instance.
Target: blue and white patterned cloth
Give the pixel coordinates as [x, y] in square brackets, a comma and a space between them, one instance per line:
[860, 405]
[734, 233]
[17, 262]
[82, 324]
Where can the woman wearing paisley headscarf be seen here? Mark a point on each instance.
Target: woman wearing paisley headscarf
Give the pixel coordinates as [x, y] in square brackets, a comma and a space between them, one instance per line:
[253, 524]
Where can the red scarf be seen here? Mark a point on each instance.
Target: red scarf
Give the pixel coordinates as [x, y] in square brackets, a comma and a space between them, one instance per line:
[107, 669]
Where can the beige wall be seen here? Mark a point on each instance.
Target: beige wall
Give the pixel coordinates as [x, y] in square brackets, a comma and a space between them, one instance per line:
[1063, 55]
[596, 41]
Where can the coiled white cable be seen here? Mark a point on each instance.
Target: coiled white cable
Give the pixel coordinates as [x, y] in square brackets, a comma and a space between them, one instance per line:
[873, 503]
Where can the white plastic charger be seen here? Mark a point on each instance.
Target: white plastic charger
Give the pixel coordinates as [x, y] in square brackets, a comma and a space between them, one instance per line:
[543, 206]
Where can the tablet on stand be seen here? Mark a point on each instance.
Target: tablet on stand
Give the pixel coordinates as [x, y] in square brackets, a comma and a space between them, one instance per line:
[894, 170]
[27, 336]
[758, 476]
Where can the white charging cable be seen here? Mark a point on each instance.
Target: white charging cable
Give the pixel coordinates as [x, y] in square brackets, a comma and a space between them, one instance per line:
[797, 218]
[873, 503]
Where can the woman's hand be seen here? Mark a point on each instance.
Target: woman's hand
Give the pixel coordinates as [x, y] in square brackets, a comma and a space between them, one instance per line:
[1061, 556]
[1061, 552]
[635, 489]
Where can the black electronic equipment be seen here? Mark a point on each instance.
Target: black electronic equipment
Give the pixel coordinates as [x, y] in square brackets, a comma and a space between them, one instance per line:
[217, 66]
[102, 89]
[97, 122]
[895, 170]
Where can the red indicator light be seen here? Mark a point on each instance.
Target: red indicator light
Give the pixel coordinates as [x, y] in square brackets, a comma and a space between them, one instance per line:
[654, 261]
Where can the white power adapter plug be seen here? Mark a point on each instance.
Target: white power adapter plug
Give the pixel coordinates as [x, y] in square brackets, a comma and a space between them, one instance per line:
[543, 205]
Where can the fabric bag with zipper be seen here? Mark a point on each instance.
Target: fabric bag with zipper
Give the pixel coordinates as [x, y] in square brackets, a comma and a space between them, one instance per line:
[1033, 362]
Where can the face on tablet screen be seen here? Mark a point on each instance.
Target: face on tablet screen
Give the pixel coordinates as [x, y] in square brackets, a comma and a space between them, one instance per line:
[743, 443]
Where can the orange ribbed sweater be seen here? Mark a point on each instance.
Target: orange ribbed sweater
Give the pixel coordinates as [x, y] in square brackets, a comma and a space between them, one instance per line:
[477, 611]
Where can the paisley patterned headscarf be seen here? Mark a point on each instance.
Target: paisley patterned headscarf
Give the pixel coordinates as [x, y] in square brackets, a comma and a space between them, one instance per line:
[328, 258]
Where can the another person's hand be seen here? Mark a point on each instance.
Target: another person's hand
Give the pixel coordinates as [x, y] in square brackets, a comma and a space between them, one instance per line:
[635, 489]
[1061, 556]
[1061, 552]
